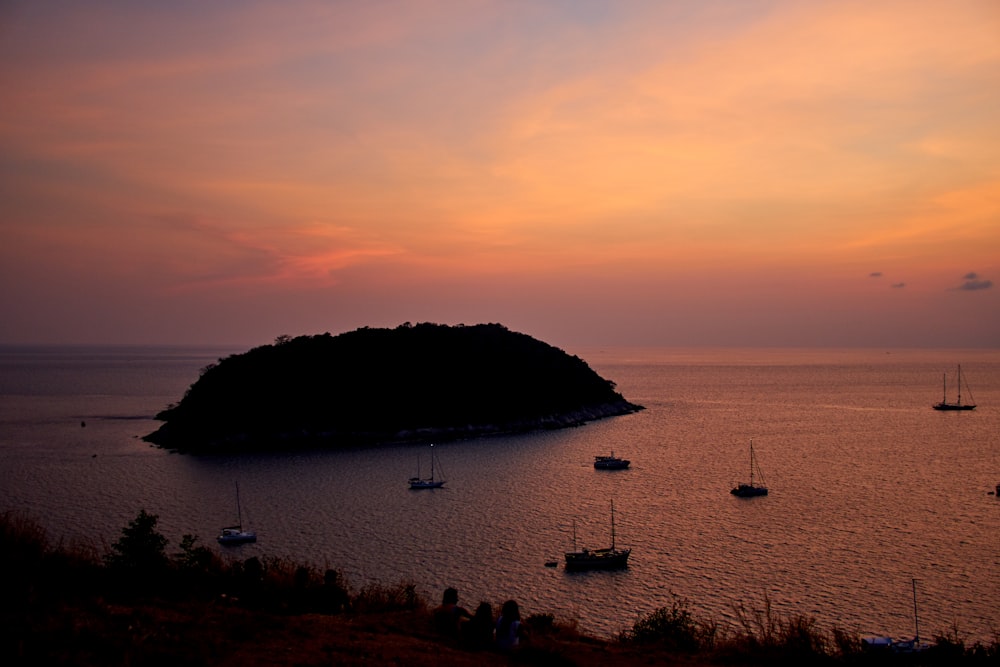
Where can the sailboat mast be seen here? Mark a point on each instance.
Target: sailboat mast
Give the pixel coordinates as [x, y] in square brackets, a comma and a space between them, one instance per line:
[239, 511]
[432, 462]
[959, 384]
[751, 461]
[612, 525]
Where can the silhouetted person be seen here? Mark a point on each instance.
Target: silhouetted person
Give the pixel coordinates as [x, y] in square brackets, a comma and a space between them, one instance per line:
[478, 632]
[510, 630]
[334, 594]
[448, 617]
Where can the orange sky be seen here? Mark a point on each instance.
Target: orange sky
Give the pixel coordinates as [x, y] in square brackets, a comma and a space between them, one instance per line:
[588, 172]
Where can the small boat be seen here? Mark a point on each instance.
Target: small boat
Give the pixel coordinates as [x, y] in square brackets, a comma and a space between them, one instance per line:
[610, 558]
[957, 405]
[419, 482]
[888, 644]
[750, 490]
[232, 535]
[610, 462]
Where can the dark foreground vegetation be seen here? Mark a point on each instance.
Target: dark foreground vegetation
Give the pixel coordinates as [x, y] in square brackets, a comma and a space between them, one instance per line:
[141, 603]
[408, 384]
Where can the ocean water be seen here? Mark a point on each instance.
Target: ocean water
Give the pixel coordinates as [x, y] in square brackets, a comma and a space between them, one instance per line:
[869, 487]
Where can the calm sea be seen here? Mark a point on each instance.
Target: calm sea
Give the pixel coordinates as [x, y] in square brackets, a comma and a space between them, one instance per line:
[870, 487]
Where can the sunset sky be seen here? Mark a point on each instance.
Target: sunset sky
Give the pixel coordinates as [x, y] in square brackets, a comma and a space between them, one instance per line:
[759, 173]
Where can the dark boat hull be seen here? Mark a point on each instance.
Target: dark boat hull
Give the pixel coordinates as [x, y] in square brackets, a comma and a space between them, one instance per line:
[599, 559]
[425, 484]
[610, 462]
[612, 465]
[747, 491]
[953, 406]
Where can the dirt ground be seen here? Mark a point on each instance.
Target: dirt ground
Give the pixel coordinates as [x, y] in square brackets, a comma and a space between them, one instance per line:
[214, 635]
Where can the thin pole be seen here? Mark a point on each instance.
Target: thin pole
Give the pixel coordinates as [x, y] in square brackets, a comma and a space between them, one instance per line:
[960, 384]
[612, 525]
[916, 620]
[239, 511]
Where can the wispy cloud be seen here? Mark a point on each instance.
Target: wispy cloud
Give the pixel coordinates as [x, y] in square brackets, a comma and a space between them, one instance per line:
[973, 283]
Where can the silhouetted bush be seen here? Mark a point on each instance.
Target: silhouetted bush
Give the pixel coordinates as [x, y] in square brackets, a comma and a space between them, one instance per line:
[673, 628]
[378, 598]
[140, 550]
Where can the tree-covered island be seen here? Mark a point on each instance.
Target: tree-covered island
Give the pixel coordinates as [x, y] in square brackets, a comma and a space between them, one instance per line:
[414, 383]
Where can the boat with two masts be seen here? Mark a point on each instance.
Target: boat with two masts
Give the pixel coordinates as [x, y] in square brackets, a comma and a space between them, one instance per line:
[958, 404]
[609, 558]
[751, 489]
[431, 482]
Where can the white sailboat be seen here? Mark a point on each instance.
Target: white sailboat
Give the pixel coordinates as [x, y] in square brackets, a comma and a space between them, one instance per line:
[883, 643]
[232, 535]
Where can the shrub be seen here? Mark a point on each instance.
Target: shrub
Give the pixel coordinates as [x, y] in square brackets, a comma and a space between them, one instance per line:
[140, 549]
[195, 559]
[541, 623]
[673, 627]
[376, 598]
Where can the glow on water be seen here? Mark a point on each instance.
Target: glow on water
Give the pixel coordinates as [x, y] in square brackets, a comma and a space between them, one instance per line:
[870, 488]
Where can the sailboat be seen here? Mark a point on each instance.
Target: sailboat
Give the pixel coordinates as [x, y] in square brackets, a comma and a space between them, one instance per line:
[419, 482]
[882, 643]
[750, 490]
[957, 405]
[235, 534]
[610, 558]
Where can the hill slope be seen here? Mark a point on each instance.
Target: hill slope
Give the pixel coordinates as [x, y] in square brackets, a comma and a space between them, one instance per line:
[411, 383]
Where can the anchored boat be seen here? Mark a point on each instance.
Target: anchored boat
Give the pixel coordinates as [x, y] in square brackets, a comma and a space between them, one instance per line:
[958, 404]
[419, 482]
[232, 535]
[610, 558]
[751, 489]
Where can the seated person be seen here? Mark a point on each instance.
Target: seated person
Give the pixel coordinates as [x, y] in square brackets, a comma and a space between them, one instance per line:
[448, 617]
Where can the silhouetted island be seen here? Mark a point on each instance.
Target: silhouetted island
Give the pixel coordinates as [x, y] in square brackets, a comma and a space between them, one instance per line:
[414, 383]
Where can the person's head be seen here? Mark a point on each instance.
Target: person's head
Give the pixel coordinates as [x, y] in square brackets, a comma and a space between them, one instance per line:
[510, 611]
[484, 610]
[450, 596]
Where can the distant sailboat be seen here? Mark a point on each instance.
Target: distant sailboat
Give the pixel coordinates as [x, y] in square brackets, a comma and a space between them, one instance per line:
[750, 490]
[957, 405]
[609, 558]
[235, 534]
[419, 482]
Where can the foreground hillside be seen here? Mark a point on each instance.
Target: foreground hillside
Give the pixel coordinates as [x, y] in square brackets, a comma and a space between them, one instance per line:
[142, 603]
[406, 384]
